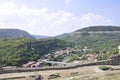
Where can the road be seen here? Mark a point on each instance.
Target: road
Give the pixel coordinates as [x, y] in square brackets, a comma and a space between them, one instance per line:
[56, 63]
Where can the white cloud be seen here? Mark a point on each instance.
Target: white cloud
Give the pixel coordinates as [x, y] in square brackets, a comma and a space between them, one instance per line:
[91, 19]
[6, 8]
[68, 1]
[39, 21]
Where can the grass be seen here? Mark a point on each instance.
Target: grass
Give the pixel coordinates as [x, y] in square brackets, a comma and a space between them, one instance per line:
[81, 73]
[105, 67]
[109, 76]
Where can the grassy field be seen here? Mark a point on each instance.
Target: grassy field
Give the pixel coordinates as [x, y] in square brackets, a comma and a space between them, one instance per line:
[81, 73]
[108, 76]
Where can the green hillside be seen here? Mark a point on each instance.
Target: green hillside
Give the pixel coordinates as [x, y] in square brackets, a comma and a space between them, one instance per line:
[21, 50]
[14, 33]
[108, 37]
[100, 28]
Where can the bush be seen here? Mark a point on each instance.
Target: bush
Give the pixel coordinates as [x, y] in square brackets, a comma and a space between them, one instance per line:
[73, 59]
[105, 67]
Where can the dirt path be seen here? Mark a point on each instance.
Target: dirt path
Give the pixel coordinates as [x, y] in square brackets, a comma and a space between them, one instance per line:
[70, 78]
[82, 71]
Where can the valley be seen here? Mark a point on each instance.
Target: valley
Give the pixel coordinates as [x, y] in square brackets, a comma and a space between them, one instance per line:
[71, 53]
[59, 40]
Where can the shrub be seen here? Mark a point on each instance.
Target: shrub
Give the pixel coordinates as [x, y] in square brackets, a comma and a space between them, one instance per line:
[73, 59]
[105, 67]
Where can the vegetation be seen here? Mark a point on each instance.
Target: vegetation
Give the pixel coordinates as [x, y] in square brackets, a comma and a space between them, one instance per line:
[109, 76]
[112, 52]
[13, 33]
[58, 58]
[100, 28]
[100, 43]
[73, 59]
[21, 50]
[105, 67]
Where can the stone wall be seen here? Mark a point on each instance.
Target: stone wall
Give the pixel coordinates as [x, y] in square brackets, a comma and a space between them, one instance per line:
[114, 60]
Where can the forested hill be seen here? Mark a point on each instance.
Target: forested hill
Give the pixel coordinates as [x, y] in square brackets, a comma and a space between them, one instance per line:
[99, 28]
[14, 33]
[99, 38]
[21, 50]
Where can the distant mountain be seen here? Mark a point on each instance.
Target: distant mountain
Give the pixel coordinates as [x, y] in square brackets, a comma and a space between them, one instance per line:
[95, 37]
[99, 28]
[14, 33]
[40, 36]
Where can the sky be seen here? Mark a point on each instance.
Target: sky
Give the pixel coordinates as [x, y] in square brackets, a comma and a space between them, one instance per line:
[55, 17]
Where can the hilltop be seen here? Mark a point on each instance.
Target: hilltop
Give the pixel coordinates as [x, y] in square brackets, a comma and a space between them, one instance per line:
[14, 33]
[99, 28]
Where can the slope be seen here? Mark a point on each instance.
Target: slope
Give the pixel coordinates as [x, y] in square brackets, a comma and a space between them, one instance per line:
[21, 50]
[14, 33]
[95, 37]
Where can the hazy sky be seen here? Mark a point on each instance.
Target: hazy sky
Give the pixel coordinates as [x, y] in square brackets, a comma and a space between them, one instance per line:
[54, 17]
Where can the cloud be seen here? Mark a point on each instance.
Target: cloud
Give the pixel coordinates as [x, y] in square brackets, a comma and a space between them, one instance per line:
[68, 1]
[91, 19]
[41, 22]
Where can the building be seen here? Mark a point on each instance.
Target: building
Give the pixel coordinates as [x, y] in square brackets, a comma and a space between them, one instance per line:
[91, 57]
[28, 64]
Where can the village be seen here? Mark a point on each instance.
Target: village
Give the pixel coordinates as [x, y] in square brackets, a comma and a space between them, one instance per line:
[64, 57]
[62, 69]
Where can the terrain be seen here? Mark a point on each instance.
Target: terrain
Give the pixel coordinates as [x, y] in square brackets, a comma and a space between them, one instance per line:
[14, 33]
[40, 36]
[15, 52]
[81, 73]
[17, 33]
[99, 38]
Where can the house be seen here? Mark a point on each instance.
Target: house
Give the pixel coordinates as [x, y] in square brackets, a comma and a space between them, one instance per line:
[86, 49]
[37, 64]
[91, 57]
[28, 64]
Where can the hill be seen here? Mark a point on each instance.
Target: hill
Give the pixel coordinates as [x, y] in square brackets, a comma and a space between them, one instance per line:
[14, 33]
[98, 38]
[21, 50]
[100, 28]
[40, 36]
